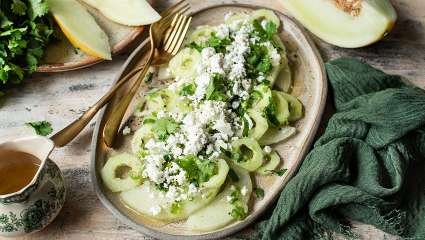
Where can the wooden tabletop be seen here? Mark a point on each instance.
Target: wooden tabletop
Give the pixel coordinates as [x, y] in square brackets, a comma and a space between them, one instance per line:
[61, 97]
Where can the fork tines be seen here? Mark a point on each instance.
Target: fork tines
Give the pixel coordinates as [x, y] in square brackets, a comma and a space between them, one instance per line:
[177, 33]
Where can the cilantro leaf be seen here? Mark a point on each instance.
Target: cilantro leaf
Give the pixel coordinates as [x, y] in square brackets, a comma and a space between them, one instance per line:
[259, 193]
[271, 111]
[42, 128]
[233, 176]
[216, 89]
[187, 90]
[19, 8]
[197, 171]
[163, 127]
[38, 8]
[279, 172]
[149, 77]
[238, 213]
[219, 44]
[271, 29]
[25, 31]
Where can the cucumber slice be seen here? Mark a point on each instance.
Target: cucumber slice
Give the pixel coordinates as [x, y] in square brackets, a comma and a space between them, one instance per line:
[216, 215]
[295, 107]
[185, 63]
[155, 102]
[177, 104]
[164, 73]
[217, 180]
[142, 199]
[141, 136]
[201, 34]
[274, 74]
[284, 79]
[266, 95]
[236, 20]
[138, 110]
[122, 183]
[274, 135]
[264, 14]
[282, 107]
[271, 165]
[250, 152]
[260, 125]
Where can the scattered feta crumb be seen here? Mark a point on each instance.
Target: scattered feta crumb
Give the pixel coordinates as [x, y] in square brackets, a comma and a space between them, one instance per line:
[267, 149]
[244, 190]
[126, 131]
[155, 210]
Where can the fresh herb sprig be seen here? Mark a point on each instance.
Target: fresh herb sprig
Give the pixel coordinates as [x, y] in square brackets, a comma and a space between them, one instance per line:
[42, 128]
[25, 30]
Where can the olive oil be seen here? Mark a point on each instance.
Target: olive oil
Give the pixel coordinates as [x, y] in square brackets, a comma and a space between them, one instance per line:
[17, 169]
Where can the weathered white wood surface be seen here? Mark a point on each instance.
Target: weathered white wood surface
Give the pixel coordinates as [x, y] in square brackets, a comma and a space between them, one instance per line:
[62, 97]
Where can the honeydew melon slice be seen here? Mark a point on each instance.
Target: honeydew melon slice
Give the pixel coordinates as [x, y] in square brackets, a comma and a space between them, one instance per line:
[345, 23]
[80, 28]
[216, 214]
[126, 12]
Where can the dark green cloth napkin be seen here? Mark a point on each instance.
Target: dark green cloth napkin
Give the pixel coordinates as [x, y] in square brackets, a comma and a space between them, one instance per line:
[368, 166]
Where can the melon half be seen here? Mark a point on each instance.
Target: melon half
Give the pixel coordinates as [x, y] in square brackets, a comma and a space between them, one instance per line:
[345, 23]
[126, 12]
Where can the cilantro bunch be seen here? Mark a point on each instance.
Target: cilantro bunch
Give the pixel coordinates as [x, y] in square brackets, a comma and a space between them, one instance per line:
[25, 30]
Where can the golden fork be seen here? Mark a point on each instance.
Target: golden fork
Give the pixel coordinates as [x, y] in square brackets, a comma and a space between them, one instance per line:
[164, 45]
[64, 136]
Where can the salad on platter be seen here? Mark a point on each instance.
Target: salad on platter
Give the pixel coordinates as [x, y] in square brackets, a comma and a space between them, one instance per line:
[205, 135]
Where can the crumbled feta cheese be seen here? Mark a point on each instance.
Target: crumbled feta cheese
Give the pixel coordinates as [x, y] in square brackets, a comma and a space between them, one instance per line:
[249, 121]
[223, 31]
[244, 190]
[155, 210]
[267, 149]
[126, 131]
[229, 198]
[228, 15]
[264, 24]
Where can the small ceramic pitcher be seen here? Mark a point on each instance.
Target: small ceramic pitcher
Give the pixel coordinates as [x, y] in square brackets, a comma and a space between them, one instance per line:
[37, 204]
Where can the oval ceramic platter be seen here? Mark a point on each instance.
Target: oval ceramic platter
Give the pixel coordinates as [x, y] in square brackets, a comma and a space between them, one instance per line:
[61, 56]
[309, 86]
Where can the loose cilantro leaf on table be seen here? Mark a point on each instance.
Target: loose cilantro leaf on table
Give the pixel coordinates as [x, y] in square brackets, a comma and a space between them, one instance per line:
[25, 30]
[42, 128]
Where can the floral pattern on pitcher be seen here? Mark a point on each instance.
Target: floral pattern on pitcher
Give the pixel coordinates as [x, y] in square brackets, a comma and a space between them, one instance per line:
[37, 206]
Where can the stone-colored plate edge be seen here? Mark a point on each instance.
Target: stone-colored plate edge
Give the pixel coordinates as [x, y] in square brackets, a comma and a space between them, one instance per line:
[252, 217]
[90, 60]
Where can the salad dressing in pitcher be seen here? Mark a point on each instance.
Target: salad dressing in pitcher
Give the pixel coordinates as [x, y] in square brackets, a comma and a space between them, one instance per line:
[17, 169]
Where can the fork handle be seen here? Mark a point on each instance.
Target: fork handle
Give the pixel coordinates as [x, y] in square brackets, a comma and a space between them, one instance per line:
[66, 135]
[112, 126]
